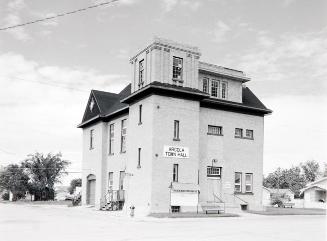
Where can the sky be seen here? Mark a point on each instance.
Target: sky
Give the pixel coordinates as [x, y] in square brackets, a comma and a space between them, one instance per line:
[48, 69]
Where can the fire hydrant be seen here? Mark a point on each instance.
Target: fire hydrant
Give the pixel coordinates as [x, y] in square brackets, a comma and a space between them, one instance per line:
[132, 211]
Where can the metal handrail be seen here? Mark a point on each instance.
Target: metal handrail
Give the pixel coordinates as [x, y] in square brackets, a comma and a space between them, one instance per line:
[221, 201]
[240, 198]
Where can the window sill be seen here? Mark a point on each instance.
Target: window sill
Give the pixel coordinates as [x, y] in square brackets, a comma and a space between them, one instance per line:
[241, 137]
[179, 80]
[176, 139]
[140, 123]
[91, 148]
[138, 167]
[243, 193]
[211, 134]
[122, 152]
[110, 154]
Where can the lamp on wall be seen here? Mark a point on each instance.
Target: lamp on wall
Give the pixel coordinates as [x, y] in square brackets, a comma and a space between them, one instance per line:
[214, 161]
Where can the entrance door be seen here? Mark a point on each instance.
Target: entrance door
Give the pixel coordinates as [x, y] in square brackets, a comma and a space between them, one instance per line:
[214, 189]
[91, 184]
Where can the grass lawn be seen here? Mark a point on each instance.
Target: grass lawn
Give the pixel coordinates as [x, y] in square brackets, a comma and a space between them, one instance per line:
[25, 202]
[290, 211]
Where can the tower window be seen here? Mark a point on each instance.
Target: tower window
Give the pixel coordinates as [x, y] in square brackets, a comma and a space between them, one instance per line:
[214, 88]
[176, 130]
[177, 68]
[175, 173]
[206, 85]
[224, 90]
[141, 73]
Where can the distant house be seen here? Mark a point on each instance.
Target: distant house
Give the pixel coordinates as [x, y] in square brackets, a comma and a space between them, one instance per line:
[61, 192]
[315, 194]
[268, 194]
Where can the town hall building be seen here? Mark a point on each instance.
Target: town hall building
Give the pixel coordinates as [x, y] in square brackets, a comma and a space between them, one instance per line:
[183, 136]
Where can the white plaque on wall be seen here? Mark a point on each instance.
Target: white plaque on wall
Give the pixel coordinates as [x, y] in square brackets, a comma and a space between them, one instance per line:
[176, 152]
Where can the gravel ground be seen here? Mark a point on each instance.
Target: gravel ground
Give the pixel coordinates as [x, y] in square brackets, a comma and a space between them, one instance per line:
[61, 223]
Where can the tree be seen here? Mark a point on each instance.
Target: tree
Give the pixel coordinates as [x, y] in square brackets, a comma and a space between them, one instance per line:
[77, 182]
[324, 174]
[44, 171]
[310, 170]
[286, 179]
[14, 179]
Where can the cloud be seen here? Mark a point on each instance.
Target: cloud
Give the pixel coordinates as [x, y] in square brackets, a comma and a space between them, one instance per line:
[220, 31]
[284, 64]
[170, 5]
[44, 104]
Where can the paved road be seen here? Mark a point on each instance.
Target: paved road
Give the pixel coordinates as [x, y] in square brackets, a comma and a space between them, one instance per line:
[59, 223]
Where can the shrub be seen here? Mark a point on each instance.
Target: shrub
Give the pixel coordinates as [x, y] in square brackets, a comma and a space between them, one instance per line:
[278, 201]
[5, 196]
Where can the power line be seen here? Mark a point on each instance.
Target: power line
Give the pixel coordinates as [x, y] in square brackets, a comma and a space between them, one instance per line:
[58, 15]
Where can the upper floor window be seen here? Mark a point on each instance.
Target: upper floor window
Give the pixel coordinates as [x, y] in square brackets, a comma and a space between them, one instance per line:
[177, 68]
[140, 114]
[238, 132]
[249, 134]
[175, 173]
[214, 88]
[238, 182]
[224, 90]
[176, 130]
[248, 182]
[141, 73]
[91, 139]
[123, 136]
[215, 130]
[206, 85]
[111, 138]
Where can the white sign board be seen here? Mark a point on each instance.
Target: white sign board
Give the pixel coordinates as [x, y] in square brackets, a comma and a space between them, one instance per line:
[184, 198]
[176, 152]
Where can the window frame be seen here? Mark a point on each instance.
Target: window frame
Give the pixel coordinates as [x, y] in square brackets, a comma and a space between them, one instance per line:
[249, 184]
[177, 70]
[123, 136]
[140, 114]
[176, 130]
[121, 180]
[111, 138]
[139, 157]
[219, 128]
[205, 87]
[216, 83]
[91, 144]
[213, 172]
[141, 73]
[251, 137]
[110, 180]
[238, 184]
[224, 90]
[175, 172]
[241, 133]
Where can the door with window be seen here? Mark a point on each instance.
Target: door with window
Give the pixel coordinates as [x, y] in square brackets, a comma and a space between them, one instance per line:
[213, 183]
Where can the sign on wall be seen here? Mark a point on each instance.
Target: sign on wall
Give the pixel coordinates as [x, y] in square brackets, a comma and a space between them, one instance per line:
[176, 152]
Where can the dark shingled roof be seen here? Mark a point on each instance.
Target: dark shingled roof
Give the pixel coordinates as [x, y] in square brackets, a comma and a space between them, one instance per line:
[111, 103]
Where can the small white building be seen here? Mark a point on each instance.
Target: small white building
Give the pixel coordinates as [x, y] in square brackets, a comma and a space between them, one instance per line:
[315, 194]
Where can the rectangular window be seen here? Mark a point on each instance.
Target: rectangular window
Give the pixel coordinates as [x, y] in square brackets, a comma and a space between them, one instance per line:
[224, 90]
[175, 173]
[206, 85]
[176, 130]
[213, 171]
[175, 209]
[177, 68]
[140, 114]
[238, 132]
[215, 130]
[249, 134]
[110, 181]
[141, 73]
[123, 136]
[238, 182]
[121, 180]
[214, 88]
[91, 139]
[111, 138]
[139, 158]
[248, 182]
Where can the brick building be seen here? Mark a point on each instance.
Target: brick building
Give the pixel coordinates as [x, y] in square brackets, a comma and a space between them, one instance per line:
[182, 134]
